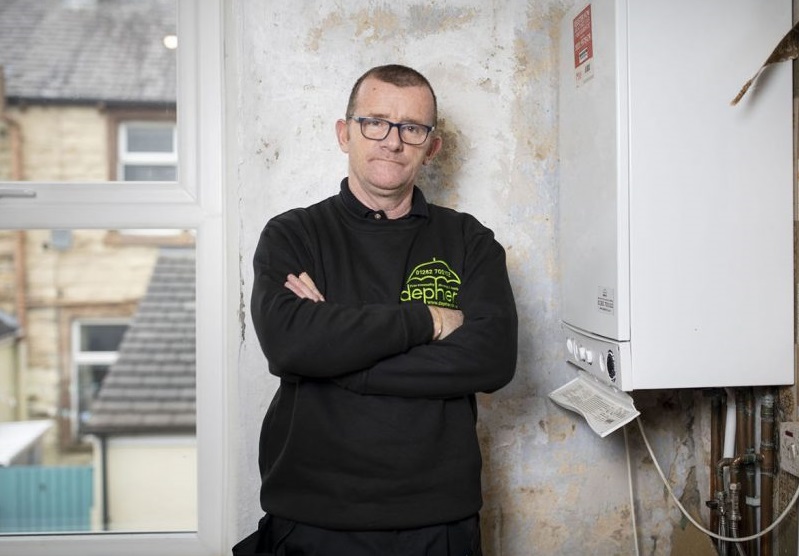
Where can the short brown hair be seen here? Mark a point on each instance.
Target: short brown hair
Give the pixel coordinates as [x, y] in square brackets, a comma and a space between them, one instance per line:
[397, 75]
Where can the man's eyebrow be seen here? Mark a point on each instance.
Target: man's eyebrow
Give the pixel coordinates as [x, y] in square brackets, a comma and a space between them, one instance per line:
[402, 121]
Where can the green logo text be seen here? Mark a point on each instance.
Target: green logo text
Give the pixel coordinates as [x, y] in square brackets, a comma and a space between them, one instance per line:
[434, 283]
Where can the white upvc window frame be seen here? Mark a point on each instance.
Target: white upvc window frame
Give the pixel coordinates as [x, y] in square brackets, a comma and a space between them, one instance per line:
[195, 201]
[127, 158]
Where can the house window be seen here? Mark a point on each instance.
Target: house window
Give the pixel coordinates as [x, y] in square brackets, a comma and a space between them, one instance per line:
[147, 151]
[95, 346]
[78, 186]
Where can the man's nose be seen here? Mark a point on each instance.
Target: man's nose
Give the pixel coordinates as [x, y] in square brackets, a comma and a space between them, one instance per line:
[393, 139]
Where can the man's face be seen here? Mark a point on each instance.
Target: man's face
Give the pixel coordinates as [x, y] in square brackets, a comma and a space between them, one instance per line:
[387, 168]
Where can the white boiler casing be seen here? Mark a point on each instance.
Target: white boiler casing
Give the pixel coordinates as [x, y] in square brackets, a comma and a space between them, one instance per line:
[676, 208]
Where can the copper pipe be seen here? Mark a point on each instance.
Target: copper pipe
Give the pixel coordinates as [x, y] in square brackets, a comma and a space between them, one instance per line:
[747, 461]
[767, 448]
[749, 411]
[722, 499]
[735, 516]
[749, 489]
[741, 445]
[716, 434]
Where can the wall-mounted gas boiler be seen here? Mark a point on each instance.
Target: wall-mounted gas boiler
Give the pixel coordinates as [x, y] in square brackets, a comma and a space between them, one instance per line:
[676, 208]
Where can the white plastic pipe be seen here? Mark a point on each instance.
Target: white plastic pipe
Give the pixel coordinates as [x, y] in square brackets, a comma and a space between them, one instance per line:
[729, 426]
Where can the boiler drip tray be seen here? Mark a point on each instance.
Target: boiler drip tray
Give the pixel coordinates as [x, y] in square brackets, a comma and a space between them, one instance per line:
[604, 408]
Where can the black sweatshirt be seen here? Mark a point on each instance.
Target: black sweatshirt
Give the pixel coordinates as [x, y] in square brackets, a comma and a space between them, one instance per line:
[373, 426]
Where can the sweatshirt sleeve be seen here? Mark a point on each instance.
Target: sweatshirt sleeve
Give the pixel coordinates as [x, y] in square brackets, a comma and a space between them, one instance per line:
[301, 338]
[480, 356]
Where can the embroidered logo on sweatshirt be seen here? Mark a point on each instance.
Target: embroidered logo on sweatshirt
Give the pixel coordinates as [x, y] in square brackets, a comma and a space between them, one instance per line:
[434, 283]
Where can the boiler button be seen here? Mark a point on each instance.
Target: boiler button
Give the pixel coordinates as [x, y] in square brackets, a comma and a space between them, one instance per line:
[589, 357]
[582, 353]
[570, 345]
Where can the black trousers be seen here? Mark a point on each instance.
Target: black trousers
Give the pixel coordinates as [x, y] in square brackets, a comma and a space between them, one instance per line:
[282, 537]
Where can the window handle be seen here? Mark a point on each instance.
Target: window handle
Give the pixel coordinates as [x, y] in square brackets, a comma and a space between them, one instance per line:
[18, 193]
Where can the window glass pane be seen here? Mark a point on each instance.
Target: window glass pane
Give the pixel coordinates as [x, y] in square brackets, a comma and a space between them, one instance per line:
[150, 173]
[150, 139]
[73, 72]
[89, 379]
[101, 337]
[97, 381]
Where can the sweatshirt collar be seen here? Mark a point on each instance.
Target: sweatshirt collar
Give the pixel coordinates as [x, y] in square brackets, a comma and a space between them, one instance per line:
[418, 204]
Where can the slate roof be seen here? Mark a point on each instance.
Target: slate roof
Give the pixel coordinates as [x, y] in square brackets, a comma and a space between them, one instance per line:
[81, 51]
[151, 387]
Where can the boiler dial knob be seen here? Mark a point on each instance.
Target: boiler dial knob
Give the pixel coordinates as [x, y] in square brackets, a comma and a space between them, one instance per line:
[611, 366]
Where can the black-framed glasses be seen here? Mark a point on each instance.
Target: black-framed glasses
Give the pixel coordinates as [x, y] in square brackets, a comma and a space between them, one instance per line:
[378, 129]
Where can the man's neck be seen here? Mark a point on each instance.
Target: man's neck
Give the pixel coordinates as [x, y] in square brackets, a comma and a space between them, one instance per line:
[393, 206]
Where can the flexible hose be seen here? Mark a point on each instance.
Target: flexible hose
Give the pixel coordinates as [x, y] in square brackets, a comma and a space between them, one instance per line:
[692, 520]
[632, 494]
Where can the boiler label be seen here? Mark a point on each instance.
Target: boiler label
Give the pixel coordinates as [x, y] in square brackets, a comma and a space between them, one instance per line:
[606, 300]
[583, 46]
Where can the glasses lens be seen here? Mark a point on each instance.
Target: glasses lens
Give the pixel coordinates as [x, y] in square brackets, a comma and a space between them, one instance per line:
[374, 129]
[413, 134]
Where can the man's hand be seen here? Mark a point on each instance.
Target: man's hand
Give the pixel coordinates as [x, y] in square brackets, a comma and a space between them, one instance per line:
[445, 321]
[303, 287]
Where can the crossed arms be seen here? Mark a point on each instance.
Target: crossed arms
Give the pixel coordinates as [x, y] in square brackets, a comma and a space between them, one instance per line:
[445, 321]
[402, 349]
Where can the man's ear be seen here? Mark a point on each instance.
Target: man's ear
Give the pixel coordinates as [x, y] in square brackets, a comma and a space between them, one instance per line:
[343, 135]
[435, 147]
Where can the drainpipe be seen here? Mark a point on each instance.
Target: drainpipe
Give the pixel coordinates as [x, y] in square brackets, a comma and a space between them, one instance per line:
[21, 282]
[20, 258]
[16, 175]
[104, 480]
[16, 134]
[21, 310]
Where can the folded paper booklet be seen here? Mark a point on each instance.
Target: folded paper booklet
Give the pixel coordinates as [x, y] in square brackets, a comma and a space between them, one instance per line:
[604, 408]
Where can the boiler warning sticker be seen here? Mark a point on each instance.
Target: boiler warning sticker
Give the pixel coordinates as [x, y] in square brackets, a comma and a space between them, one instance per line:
[606, 300]
[583, 46]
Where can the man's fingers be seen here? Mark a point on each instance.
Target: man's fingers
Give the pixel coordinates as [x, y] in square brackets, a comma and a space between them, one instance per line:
[309, 283]
[296, 287]
[303, 287]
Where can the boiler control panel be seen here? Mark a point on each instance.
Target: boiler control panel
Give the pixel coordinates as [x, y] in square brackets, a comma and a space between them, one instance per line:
[606, 359]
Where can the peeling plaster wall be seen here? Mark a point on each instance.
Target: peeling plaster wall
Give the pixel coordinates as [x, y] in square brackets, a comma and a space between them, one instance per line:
[551, 486]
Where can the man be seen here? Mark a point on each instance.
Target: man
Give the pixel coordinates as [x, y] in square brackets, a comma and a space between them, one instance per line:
[382, 315]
